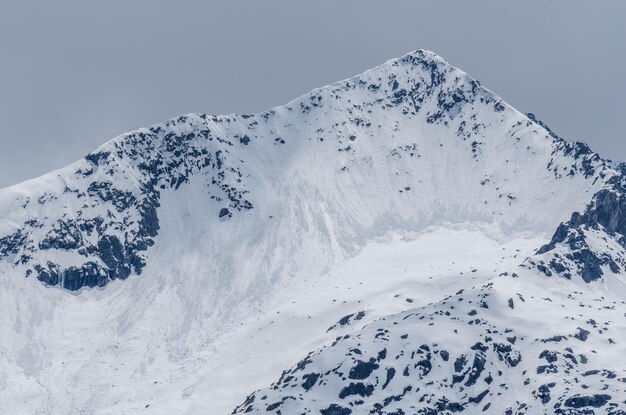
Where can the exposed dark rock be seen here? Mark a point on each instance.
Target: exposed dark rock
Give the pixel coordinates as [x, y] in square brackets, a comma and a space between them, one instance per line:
[390, 373]
[309, 380]
[543, 394]
[582, 334]
[89, 274]
[595, 401]
[107, 193]
[12, 243]
[65, 236]
[362, 369]
[334, 409]
[606, 212]
[359, 389]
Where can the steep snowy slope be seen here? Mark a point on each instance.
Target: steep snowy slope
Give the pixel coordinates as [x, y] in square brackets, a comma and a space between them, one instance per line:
[230, 233]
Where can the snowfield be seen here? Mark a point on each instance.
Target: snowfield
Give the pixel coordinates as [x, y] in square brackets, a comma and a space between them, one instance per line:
[401, 242]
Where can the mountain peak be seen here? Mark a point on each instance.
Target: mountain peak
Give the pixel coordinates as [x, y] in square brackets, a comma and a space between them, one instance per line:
[411, 118]
[418, 241]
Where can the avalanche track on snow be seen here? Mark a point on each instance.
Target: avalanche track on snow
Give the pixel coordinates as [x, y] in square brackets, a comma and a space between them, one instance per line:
[401, 242]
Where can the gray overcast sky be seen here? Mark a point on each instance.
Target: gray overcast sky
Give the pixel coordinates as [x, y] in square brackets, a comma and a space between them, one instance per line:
[74, 74]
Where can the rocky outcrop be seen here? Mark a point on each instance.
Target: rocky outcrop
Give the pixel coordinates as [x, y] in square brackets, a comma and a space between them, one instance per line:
[444, 359]
[570, 252]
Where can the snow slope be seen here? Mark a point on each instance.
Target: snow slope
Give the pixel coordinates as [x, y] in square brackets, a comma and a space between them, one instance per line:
[180, 267]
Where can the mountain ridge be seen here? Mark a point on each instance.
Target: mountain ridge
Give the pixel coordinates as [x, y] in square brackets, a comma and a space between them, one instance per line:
[151, 157]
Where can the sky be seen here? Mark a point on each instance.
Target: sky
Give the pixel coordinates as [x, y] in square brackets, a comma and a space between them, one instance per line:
[74, 74]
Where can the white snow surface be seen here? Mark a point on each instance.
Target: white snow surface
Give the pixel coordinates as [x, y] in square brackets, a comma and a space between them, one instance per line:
[363, 198]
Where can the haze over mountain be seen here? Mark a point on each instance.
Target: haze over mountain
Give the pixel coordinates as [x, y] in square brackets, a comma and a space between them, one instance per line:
[400, 242]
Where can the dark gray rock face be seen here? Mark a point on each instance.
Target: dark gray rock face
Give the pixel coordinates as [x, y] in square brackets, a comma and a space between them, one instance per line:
[595, 401]
[120, 258]
[114, 223]
[11, 244]
[89, 274]
[224, 212]
[334, 409]
[606, 214]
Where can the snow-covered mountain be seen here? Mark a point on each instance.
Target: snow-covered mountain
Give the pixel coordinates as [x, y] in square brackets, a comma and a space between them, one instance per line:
[401, 242]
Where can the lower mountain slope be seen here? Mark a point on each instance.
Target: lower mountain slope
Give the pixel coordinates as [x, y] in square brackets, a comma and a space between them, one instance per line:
[516, 344]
